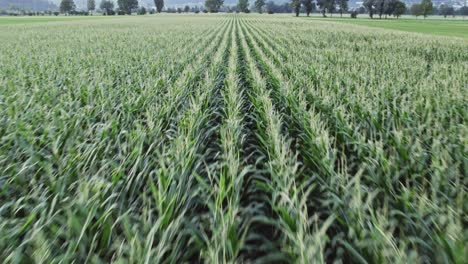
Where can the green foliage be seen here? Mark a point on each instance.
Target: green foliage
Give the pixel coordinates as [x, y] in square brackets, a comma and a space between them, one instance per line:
[107, 6]
[379, 7]
[417, 10]
[127, 6]
[463, 11]
[66, 6]
[327, 6]
[439, 27]
[343, 6]
[243, 6]
[213, 6]
[91, 5]
[370, 7]
[159, 5]
[399, 9]
[239, 139]
[141, 11]
[426, 7]
[296, 6]
[259, 4]
[446, 10]
[384, 7]
[309, 6]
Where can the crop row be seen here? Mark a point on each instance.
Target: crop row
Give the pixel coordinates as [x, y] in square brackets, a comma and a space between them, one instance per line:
[231, 139]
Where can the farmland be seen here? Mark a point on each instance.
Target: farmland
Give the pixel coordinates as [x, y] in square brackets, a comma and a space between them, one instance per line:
[231, 138]
[434, 26]
[27, 20]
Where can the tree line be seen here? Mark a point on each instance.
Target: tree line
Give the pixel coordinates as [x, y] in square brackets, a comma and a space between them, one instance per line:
[426, 8]
[125, 7]
[380, 8]
[385, 7]
[128, 6]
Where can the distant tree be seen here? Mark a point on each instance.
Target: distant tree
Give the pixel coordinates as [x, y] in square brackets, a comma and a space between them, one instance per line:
[126, 6]
[322, 5]
[159, 5]
[141, 11]
[259, 5]
[370, 7]
[91, 5]
[179, 10]
[426, 7]
[388, 7]
[343, 4]
[446, 10]
[186, 9]
[107, 6]
[296, 5]
[379, 7]
[463, 11]
[400, 8]
[213, 6]
[327, 5]
[331, 6]
[309, 6]
[66, 6]
[243, 6]
[416, 10]
[270, 7]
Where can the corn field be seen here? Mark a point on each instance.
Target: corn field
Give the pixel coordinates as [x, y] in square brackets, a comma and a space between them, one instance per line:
[231, 138]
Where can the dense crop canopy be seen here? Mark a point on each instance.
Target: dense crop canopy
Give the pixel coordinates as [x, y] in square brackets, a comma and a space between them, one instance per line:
[231, 138]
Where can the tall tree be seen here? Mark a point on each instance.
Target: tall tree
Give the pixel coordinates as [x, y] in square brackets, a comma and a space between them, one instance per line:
[259, 5]
[107, 6]
[91, 5]
[446, 10]
[463, 11]
[141, 11]
[127, 6]
[388, 7]
[213, 6]
[327, 5]
[370, 7]
[331, 6]
[243, 6]
[426, 7]
[309, 6]
[379, 7]
[159, 5]
[416, 10]
[296, 5]
[400, 8]
[343, 4]
[66, 6]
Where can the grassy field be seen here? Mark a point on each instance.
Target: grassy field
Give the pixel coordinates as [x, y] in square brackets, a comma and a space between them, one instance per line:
[26, 20]
[444, 27]
[231, 138]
